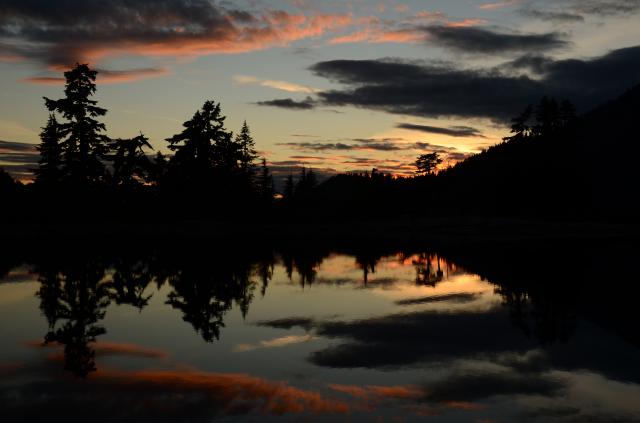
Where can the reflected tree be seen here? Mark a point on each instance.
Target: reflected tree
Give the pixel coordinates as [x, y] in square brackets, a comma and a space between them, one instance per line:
[74, 302]
[426, 273]
[129, 282]
[205, 292]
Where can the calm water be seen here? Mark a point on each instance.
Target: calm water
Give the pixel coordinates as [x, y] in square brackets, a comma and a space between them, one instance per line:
[480, 336]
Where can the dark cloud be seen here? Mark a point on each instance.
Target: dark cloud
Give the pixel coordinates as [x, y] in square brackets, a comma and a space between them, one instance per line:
[60, 33]
[550, 15]
[473, 386]
[454, 131]
[406, 339]
[338, 146]
[433, 90]
[288, 323]
[288, 103]
[18, 159]
[486, 41]
[367, 144]
[458, 298]
[16, 147]
[604, 7]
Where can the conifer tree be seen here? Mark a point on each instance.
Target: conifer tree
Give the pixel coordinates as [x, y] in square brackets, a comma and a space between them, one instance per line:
[130, 163]
[202, 146]
[50, 163]
[247, 150]
[428, 163]
[265, 184]
[84, 146]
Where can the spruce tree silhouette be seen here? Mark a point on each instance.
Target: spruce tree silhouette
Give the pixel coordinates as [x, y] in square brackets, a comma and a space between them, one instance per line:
[84, 146]
[49, 168]
[247, 147]
[197, 148]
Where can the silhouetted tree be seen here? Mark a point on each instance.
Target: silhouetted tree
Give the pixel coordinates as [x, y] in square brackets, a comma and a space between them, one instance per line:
[247, 150]
[201, 146]
[50, 163]
[547, 117]
[7, 183]
[567, 113]
[427, 164]
[77, 298]
[129, 282]
[84, 147]
[265, 184]
[289, 189]
[306, 185]
[130, 163]
[520, 127]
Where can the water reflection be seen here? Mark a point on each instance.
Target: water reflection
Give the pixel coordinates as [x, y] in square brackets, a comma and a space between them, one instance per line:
[455, 333]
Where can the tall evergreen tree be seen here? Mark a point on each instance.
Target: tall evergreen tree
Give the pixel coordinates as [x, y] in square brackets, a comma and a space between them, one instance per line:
[50, 163]
[246, 146]
[202, 146]
[84, 146]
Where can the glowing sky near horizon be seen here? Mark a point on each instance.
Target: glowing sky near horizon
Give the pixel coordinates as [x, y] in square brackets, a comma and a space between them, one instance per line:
[161, 60]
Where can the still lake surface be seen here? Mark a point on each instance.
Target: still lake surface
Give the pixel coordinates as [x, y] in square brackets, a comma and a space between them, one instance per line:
[301, 335]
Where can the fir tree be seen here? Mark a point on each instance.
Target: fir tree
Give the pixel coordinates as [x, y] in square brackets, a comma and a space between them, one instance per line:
[246, 147]
[83, 145]
[202, 146]
[50, 163]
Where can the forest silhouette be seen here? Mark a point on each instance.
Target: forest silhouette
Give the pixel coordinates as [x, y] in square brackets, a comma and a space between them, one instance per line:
[555, 164]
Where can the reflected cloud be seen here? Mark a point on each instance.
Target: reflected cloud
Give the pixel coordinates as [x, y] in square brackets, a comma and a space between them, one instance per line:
[459, 298]
[284, 341]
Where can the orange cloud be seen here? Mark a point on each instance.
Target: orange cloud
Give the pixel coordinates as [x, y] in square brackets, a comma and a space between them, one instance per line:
[275, 29]
[498, 5]
[107, 348]
[267, 396]
[466, 23]
[379, 392]
[105, 76]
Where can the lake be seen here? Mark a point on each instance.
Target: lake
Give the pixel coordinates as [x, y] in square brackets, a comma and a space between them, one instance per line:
[531, 333]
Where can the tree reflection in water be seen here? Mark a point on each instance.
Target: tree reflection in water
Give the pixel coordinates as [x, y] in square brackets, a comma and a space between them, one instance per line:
[74, 293]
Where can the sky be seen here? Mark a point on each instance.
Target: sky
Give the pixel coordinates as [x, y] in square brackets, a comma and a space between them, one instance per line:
[333, 85]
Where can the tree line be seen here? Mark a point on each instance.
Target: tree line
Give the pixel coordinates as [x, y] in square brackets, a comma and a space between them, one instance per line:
[208, 161]
[550, 165]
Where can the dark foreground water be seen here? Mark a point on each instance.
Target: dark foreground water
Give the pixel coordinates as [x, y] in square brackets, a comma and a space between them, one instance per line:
[533, 334]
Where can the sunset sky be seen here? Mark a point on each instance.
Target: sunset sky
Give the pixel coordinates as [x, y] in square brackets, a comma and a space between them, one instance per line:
[341, 85]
